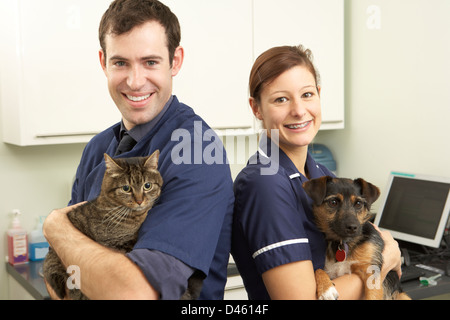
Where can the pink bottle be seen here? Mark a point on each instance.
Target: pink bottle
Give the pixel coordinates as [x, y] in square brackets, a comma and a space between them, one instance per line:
[17, 242]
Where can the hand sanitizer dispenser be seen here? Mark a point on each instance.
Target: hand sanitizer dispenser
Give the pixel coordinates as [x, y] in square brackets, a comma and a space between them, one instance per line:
[17, 242]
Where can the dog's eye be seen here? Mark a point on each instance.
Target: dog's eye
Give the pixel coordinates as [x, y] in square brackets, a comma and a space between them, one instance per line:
[359, 204]
[333, 203]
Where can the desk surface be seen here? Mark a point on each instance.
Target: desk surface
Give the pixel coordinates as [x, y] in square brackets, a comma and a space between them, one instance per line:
[28, 275]
[417, 291]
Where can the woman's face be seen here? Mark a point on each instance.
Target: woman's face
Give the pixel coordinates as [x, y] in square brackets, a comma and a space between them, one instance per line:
[291, 104]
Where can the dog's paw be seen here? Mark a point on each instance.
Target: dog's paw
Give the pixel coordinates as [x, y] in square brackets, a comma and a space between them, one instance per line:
[330, 294]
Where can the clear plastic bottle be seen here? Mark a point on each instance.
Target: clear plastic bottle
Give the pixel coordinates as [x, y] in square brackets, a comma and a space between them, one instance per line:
[38, 245]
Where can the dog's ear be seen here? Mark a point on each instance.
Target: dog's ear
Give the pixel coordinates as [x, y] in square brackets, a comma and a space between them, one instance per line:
[316, 189]
[368, 191]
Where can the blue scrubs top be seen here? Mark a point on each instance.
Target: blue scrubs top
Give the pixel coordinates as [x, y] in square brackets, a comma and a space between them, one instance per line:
[273, 222]
[192, 219]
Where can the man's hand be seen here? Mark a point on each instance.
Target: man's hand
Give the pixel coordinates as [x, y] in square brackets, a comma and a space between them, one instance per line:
[54, 220]
[103, 274]
[57, 218]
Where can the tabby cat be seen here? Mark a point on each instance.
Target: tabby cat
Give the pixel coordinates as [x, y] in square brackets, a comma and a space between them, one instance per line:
[129, 189]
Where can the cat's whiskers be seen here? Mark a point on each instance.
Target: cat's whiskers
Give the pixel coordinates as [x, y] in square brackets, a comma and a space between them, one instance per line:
[108, 216]
[116, 216]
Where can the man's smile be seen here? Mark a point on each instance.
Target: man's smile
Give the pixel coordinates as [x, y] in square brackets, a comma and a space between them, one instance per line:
[138, 98]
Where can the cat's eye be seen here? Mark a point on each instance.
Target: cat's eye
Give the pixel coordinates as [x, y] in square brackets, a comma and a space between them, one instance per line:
[126, 189]
[147, 186]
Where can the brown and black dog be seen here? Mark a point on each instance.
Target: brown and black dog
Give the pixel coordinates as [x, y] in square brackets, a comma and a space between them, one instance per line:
[342, 211]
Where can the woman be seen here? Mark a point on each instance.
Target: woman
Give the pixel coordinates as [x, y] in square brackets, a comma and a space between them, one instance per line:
[276, 244]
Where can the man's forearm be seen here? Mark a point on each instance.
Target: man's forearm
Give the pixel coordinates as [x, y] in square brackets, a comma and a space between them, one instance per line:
[101, 272]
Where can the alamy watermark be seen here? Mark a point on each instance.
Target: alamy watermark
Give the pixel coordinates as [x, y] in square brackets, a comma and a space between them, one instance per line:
[203, 147]
[374, 280]
[74, 280]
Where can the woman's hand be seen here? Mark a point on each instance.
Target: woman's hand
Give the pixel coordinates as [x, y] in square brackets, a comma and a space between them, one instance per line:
[391, 254]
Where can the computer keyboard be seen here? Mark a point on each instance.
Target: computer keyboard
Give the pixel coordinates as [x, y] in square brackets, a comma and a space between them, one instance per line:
[411, 273]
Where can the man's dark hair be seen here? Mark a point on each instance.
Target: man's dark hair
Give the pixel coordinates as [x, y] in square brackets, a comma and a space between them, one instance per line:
[123, 15]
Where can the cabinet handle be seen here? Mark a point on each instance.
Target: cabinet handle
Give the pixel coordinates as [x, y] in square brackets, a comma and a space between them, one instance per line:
[60, 135]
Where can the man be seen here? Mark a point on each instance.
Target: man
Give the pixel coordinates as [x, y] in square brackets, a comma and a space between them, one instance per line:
[189, 230]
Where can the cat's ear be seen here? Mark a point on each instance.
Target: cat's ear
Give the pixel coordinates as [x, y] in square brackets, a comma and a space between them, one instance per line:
[111, 164]
[152, 161]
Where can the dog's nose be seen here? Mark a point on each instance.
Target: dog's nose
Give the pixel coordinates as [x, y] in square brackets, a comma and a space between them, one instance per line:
[351, 228]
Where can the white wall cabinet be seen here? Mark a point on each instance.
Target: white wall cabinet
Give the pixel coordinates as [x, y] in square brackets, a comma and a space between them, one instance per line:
[319, 26]
[217, 38]
[52, 88]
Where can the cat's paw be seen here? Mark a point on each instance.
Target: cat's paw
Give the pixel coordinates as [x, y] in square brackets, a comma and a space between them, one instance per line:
[330, 294]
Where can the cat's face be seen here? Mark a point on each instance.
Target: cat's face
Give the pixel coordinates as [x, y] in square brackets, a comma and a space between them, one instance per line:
[134, 183]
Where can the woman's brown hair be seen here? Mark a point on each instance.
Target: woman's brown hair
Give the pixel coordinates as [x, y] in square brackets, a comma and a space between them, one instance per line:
[272, 63]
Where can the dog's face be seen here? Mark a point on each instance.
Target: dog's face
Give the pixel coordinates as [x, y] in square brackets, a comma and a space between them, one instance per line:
[341, 206]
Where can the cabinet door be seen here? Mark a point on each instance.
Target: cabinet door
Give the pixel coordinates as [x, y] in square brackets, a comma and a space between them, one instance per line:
[53, 87]
[319, 26]
[217, 38]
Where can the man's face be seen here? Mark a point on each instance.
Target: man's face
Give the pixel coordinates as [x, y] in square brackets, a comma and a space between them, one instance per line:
[139, 72]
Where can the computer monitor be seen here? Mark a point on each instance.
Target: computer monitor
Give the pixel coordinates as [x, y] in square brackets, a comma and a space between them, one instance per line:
[415, 208]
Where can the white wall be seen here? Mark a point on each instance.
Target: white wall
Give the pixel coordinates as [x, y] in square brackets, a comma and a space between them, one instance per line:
[397, 113]
[397, 91]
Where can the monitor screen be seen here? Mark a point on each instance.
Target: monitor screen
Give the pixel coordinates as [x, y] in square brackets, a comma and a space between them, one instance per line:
[415, 208]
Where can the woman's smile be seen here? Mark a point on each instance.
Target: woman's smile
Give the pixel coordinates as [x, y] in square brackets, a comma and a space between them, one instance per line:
[298, 126]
